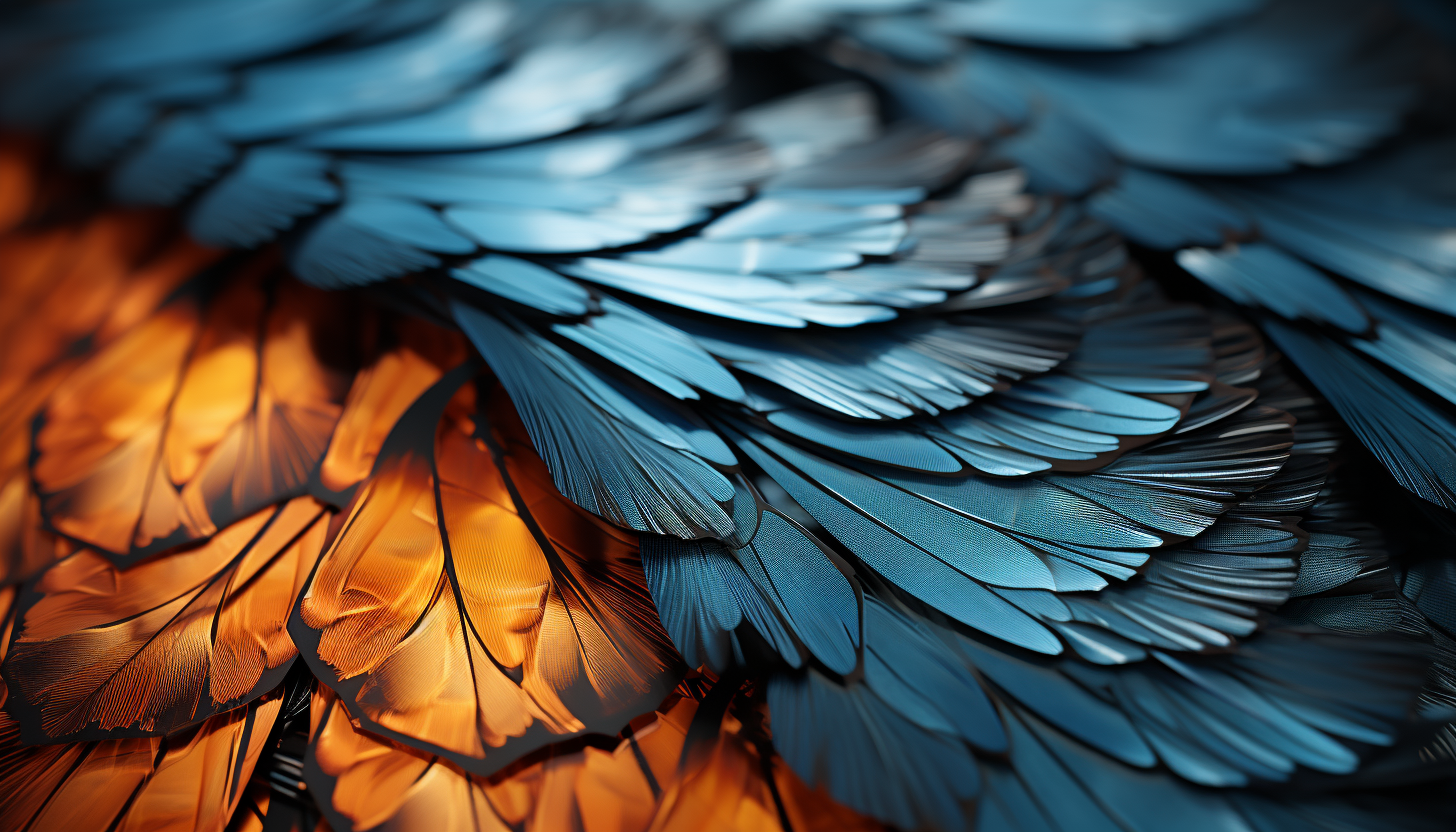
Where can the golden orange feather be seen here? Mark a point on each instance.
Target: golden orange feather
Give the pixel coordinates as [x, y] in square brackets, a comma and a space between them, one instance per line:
[211, 409]
[100, 651]
[415, 357]
[191, 780]
[467, 608]
[19, 179]
[363, 782]
[188, 781]
[65, 292]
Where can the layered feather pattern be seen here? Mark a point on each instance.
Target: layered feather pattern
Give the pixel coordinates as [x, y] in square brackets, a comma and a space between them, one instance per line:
[761, 414]
[466, 606]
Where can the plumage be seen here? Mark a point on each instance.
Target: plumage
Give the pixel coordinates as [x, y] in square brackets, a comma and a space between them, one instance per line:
[466, 608]
[70, 290]
[232, 404]
[636, 785]
[188, 780]
[101, 652]
[758, 414]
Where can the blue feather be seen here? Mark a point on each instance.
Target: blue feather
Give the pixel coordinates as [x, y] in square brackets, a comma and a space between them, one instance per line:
[637, 463]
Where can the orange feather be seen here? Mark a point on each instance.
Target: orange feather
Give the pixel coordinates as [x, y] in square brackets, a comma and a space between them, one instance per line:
[19, 159]
[168, 642]
[467, 608]
[381, 393]
[185, 782]
[68, 290]
[188, 781]
[210, 410]
[363, 782]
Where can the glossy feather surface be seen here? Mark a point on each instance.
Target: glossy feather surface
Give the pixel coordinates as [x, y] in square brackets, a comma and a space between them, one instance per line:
[466, 607]
[929, 415]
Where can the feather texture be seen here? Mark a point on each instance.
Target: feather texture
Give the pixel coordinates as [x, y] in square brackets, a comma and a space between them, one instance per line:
[70, 289]
[104, 652]
[208, 411]
[636, 785]
[798, 596]
[467, 609]
[644, 337]
[189, 780]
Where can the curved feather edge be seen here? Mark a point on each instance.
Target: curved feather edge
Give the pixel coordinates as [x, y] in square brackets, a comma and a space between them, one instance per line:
[639, 463]
[1413, 440]
[467, 609]
[92, 641]
[796, 595]
[892, 746]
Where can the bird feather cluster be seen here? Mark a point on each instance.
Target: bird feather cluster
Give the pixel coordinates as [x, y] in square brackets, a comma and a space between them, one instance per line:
[587, 415]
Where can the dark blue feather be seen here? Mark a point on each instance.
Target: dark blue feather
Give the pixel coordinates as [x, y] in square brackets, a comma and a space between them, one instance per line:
[781, 582]
[270, 188]
[636, 462]
[1414, 440]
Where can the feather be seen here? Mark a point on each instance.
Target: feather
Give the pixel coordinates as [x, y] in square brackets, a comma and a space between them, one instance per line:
[106, 43]
[929, 534]
[180, 154]
[1262, 275]
[192, 780]
[1415, 441]
[1206, 592]
[364, 783]
[876, 761]
[892, 746]
[1095, 404]
[101, 652]
[897, 370]
[1076, 564]
[417, 355]
[1153, 106]
[636, 785]
[1156, 209]
[269, 188]
[1380, 222]
[287, 98]
[657, 352]
[606, 187]
[787, 258]
[1053, 24]
[528, 99]
[785, 584]
[465, 608]
[634, 461]
[202, 415]
[70, 290]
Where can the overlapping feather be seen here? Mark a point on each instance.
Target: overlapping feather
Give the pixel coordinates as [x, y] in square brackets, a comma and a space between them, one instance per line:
[994, 529]
[465, 607]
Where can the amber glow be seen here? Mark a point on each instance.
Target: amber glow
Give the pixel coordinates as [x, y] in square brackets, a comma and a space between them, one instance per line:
[206, 412]
[171, 640]
[452, 624]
